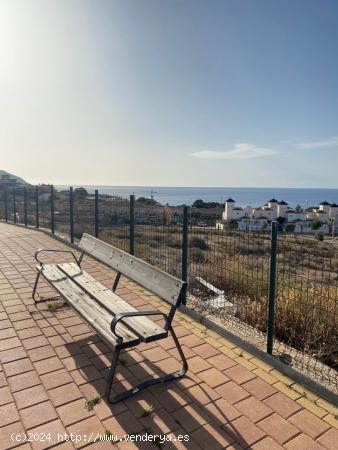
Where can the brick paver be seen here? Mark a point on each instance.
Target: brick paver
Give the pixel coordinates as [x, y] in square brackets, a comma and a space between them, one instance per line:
[52, 363]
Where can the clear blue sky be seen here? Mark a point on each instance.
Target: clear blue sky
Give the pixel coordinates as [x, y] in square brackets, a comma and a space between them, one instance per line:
[167, 92]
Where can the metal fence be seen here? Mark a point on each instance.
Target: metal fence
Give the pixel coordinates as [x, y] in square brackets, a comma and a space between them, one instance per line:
[277, 291]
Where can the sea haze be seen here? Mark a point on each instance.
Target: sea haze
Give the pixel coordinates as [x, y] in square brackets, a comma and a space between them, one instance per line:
[243, 196]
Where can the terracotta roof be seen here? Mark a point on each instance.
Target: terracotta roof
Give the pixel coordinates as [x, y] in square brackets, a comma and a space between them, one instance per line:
[325, 203]
[230, 200]
[283, 203]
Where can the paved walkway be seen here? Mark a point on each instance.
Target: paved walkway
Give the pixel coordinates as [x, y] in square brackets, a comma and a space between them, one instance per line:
[51, 364]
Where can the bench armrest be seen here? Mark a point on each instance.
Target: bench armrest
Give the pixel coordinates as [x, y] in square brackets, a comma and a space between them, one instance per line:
[121, 316]
[54, 251]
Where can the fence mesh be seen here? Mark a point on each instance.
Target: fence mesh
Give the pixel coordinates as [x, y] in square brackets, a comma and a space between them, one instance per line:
[306, 312]
[158, 236]
[114, 220]
[228, 269]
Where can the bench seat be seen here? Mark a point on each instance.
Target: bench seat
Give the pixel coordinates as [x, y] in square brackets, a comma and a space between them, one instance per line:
[98, 305]
[116, 321]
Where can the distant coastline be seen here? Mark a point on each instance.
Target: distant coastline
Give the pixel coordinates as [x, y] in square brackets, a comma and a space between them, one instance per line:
[174, 196]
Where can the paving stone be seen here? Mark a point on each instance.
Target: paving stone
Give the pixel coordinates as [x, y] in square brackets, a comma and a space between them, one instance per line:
[303, 442]
[222, 411]
[54, 429]
[30, 396]
[213, 377]
[232, 392]
[221, 362]
[278, 428]
[88, 430]
[211, 436]
[8, 414]
[259, 388]
[9, 343]
[202, 394]
[5, 395]
[23, 381]
[6, 432]
[37, 354]
[17, 367]
[243, 431]
[38, 415]
[64, 394]
[239, 374]
[206, 351]
[55, 379]
[48, 365]
[198, 364]
[329, 439]
[309, 423]
[73, 412]
[282, 404]
[254, 409]
[266, 444]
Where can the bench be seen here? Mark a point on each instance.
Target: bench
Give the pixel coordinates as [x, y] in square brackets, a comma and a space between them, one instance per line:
[118, 323]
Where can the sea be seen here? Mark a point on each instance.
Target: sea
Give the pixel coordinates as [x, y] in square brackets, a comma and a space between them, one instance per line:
[175, 196]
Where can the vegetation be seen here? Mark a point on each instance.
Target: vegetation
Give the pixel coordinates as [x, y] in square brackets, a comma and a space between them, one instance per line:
[290, 227]
[315, 224]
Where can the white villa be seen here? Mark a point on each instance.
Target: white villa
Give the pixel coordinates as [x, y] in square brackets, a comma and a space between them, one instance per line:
[260, 218]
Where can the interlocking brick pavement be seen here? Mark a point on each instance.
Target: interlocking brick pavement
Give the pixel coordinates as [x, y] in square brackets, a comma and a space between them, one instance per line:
[51, 363]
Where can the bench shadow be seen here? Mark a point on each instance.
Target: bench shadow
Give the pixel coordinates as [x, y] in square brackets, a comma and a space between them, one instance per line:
[184, 407]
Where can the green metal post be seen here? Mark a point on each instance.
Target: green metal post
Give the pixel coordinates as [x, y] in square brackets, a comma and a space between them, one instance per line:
[14, 205]
[185, 241]
[132, 225]
[96, 213]
[52, 218]
[272, 288]
[71, 214]
[37, 206]
[25, 206]
[6, 206]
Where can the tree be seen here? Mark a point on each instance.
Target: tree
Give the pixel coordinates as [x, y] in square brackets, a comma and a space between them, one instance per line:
[167, 216]
[147, 201]
[290, 227]
[232, 225]
[319, 236]
[315, 224]
[298, 208]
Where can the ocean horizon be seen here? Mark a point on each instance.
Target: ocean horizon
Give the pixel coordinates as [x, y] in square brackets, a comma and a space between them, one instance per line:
[174, 196]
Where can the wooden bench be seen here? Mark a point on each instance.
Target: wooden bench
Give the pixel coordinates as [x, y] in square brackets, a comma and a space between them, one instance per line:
[117, 322]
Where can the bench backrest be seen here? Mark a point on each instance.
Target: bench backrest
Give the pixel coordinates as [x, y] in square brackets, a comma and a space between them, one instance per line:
[151, 278]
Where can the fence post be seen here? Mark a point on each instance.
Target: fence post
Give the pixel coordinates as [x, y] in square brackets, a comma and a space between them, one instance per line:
[25, 205]
[272, 288]
[71, 214]
[52, 218]
[132, 225]
[14, 205]
[36, 206]
[96, 231]
[6, 206]
[185, 240]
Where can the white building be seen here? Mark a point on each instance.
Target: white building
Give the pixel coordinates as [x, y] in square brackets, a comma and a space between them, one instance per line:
[260, 218]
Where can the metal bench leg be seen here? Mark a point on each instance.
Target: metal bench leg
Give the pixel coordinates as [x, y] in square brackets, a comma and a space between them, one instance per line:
[147, 383]
[34, 291]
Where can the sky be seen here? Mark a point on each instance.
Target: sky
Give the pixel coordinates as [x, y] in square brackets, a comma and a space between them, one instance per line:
[170, 92]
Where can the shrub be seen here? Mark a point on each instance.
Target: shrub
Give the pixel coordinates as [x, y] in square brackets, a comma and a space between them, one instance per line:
[315, 224]
[198, 242]
[319, 236]
[290, 227]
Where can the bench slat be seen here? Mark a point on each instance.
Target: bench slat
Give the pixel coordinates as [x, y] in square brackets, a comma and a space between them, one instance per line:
[96, 316]
[145, 328]
[155, 280]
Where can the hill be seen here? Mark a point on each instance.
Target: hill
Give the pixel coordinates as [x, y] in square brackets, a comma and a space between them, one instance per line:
[8, 179]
